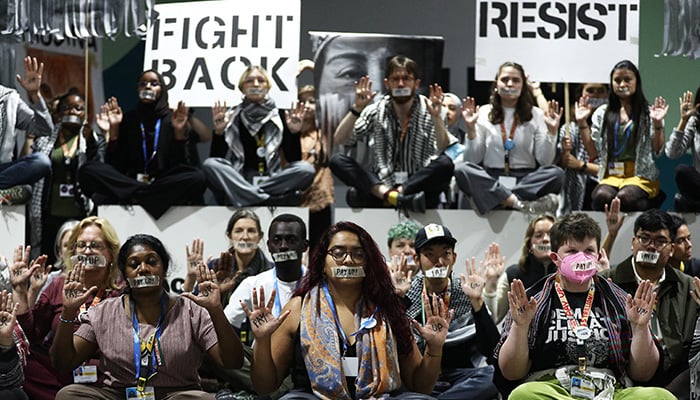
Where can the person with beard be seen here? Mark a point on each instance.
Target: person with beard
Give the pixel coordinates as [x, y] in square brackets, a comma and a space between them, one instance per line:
[578, 335]
[472, 334]
[17, 174]
[409, 135]
[146, 160]
[510, 149]
[625, 136]
[72, 144]
[255, 156]
[673, 318]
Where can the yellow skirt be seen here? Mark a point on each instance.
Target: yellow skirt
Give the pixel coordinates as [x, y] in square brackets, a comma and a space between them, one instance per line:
[651, 188]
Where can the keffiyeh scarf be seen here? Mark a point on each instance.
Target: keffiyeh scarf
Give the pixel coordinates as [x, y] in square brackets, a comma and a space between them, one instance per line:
[256, 117]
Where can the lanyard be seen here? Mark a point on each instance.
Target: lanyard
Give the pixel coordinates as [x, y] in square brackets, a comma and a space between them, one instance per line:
[149, 360]
[68, 154]
[508, 143]
[260, 151]
[95, 300]
[277, 310]
[146, 159]
[580, 329]
[628, 130]
[445, 297]
[369, 323]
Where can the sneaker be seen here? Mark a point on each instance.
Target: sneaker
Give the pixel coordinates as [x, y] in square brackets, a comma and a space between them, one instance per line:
[547, 204]
[412, 202]
[15, 195]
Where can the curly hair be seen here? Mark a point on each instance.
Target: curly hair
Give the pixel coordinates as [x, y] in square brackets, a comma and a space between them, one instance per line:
[377, 287]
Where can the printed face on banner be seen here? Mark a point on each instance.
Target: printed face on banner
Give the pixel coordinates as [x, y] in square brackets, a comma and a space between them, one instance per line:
[531, 33]
[202, 48]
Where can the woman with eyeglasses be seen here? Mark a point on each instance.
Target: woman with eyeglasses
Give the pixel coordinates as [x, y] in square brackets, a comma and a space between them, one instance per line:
[345, 334]
[94, 243]
[58, 198]
[148, 341]
[147, 158]
[626, 135]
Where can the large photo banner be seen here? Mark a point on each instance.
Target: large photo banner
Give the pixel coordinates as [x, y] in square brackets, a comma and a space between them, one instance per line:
[202, 48]
[556, 41]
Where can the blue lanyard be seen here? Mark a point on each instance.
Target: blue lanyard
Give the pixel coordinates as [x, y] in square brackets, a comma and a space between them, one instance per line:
[277, 310]
[628, 130]
[146, 159]
[363, 326]
[141, 380]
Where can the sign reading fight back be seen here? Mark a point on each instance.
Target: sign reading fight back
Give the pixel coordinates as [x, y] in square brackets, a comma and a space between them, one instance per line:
[556, 41]
[202, 48]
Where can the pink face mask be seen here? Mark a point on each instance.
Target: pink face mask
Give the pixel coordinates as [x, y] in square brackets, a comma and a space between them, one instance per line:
[579, 267]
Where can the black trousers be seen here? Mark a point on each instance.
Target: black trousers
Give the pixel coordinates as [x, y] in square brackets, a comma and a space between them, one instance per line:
[433, 179]
[181, 185]
[688, 181]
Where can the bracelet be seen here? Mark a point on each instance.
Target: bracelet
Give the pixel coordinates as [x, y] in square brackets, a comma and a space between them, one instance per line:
[67, 321]
[427, 353]
[354, 112]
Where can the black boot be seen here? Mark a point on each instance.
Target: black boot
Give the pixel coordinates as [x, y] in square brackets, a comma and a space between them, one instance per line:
[684, 204]
[412, 202]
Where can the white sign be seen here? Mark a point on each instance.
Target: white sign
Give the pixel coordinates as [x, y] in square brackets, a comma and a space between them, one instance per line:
[202, 48]
[556, 41]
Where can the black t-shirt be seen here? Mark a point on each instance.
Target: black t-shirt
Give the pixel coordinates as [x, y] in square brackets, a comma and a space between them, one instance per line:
[556, 342]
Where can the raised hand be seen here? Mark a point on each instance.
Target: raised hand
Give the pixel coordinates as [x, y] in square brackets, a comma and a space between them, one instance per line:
[434, 103]
[223, 269]
[21, 269]
[401, 275]
[658, 110]
[613, 217]
[473, 284]
[74, 292]
[494, 263]
[553, 116]
[179, 118]
[40, 274]
[8, 311]
[262, 322]
[437, 321]
[102, 119]
[603, 262]
[209, 295]
[582, 109]
[219, 117]
[470, 111]
[522, 310]
[686, 103]
[32, 75]
[640, 307]
[695, 293]
[295, 117]
[195, 256]
[363, 93]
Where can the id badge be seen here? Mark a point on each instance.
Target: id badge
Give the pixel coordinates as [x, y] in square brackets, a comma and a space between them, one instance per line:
[143, 178]
[350, 366]
[66, 190]
[582, 386]
[400, 177]
[259, 180]
[85, 374]
[616, 169]
[148, 393]
[507, 181]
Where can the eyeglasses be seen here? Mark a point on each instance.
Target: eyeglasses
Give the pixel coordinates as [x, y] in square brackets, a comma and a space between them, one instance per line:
[659, 242]
[339, 254]
[97, 246]
[146, 83]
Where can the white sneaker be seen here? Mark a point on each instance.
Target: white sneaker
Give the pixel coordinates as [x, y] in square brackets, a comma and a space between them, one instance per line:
[547, 204]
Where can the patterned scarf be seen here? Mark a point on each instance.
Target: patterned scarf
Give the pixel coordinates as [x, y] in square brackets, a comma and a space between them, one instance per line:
[458, 302]
[376, 351]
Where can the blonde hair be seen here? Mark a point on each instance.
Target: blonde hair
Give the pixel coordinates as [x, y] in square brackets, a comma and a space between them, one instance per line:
[249, 70]
[113, 277]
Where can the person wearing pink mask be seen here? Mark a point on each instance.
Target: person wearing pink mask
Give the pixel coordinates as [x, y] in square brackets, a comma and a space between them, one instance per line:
[580, 336]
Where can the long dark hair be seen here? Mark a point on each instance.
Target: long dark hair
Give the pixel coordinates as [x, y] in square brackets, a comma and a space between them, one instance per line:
[377, 287]
[149, 112]
[640, 110]
[523, 109]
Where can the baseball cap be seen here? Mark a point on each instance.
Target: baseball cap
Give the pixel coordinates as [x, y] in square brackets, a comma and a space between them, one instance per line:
[433, 232]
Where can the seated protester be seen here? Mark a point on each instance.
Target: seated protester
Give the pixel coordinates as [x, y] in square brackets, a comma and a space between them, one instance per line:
[472, 328]
[510, 148]
[15, 114]
[682, 257]
[286, 244]
[683, 137]
[408, 134]
[580, 336]
[400, 240]
[146, 161]
[534, 264]
[581, 170]
[255, 155]
[674, 316]
[455, 123]
[694, 356]
[625, 136]
[13, 351]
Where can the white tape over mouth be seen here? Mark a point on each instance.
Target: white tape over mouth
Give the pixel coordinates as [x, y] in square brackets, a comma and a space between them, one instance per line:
[71, 119]
[240, 245]
[510, 91]
[543, 248]
[348, 272]
[584, 266]
[649, 257]
[89, 260]
[436, 273]
[401, 92]
[283, 256]
[254, 91]
[144, 281]
[147, 95]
